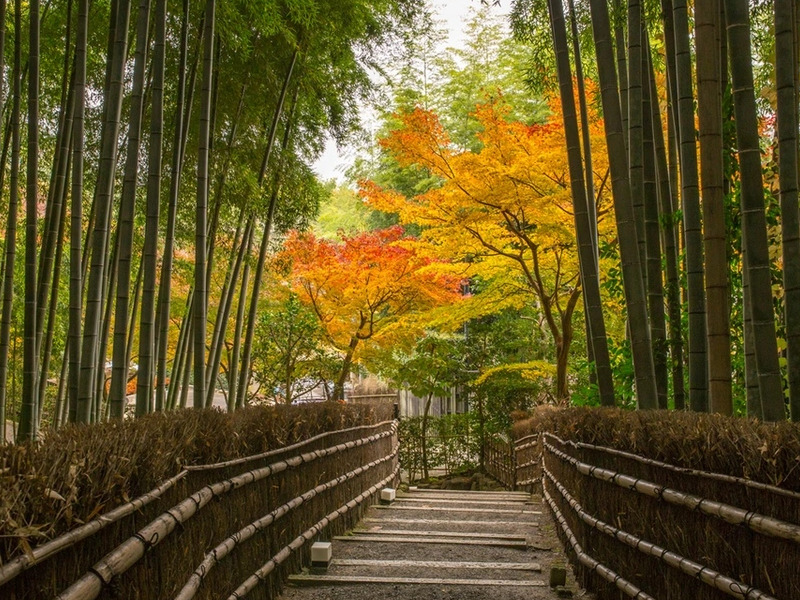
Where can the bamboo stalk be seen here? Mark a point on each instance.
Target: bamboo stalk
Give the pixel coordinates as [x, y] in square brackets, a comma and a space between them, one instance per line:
[592, 564]
[759, 523]
[233, 541]
[683, 470]
[251, 582]
[717, 580]
[124, 556]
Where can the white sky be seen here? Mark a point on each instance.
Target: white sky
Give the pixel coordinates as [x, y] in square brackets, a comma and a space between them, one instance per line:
[333, 162]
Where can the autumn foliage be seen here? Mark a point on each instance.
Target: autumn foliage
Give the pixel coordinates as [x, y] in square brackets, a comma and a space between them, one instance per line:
[370, 289]
[506, 208]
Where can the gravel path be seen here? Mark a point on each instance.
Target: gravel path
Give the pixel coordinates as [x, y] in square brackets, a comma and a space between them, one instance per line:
[442, 545]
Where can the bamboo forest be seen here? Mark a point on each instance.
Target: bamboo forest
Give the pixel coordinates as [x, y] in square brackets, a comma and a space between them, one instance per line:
[517, 243]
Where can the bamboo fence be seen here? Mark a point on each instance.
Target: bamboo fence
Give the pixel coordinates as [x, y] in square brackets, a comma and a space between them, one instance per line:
[156, 546]
[669, 532]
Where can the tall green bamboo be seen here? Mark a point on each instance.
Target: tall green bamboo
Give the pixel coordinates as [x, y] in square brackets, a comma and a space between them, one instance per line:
[785, 66]
[119, 370]
[90, 351]
[144, 386]
[28, 425]
[709, 107]
[692, 221]
[201, 224]
[11, 224]
[754, 226]
[635, 299]
[583, 229]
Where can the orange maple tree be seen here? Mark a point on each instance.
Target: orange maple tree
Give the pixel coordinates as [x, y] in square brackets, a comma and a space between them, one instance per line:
[367, 289]
[506, 206]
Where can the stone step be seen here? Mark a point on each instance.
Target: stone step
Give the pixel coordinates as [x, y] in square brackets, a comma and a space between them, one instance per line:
[327, 580]
[453, 534]
[436, 564]
[456, 509]
[416, 539]
[449, 522]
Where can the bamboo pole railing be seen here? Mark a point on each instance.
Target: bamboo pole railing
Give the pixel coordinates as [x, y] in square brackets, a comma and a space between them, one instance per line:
[225, 548]
[721, 582]
[625, 586]
[259, 576]
[48, 550]
[736, 516]
[122, 558]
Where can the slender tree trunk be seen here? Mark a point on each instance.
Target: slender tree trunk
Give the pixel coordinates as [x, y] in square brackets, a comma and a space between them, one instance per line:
[119, 372]
[623, 209]
[244, 373]
[11, 224]
[581, 211]
[692, 222]
[670, 244]
[144, 387]
[785, 64]
[635, 131]
[90, 354]
[181, 354]
[182, 109]
[622, 63]
[233, 363]
[76, 209]
[28, 426]
[709, 108]
[52, 307]
[200, 284]
[655, 287]
[224, 311]
[757, 263]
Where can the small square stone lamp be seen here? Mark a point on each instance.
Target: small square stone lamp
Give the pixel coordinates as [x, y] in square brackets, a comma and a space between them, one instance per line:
[321, 553]
[388, 495]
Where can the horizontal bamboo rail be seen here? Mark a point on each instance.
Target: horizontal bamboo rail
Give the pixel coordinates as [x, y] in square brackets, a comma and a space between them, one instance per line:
[251, 582]
[721, 582]
[225, 548]
[592, 564]
[124, 556]
[682, 470]
[49, 549]
[736, 516]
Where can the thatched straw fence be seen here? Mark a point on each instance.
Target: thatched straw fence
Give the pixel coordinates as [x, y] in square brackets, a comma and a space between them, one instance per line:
[639, 523]
[234, 528]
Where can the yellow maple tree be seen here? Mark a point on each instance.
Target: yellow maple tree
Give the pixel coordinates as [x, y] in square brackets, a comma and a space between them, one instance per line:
[505, 208]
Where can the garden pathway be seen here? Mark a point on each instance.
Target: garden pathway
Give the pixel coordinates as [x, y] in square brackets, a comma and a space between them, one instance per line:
[432, 544]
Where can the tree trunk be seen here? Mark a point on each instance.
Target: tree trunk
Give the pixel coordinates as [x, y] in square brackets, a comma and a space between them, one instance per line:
[425, 416]
[76, 261]
[28, 426]
[182, 110]
[692, 223]
[635, 131]
[785, 67]
[623, 209]
[200, 306]
[233, 362]
[754, 226]
[582, 213]
[709, 108]
[11, 224]
[103, 195]
[119, 373]
[655, 288]
[670, 243]
[144, 386]
[244, 373]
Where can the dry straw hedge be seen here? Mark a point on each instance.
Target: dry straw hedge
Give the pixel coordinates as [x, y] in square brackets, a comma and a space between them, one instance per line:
[80, 472]
[769, 453]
